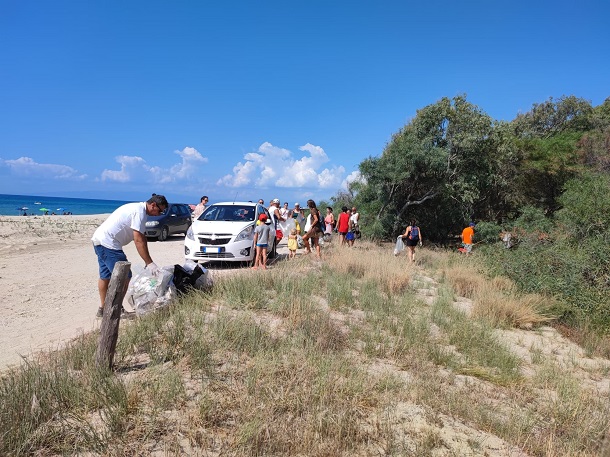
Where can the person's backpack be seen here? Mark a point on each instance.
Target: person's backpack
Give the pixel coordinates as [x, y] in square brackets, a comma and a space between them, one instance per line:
[414, 234]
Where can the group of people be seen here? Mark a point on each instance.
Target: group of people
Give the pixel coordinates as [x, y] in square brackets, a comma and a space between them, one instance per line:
[46, 213]
[309, 229]
[128, 223]
[348, 225]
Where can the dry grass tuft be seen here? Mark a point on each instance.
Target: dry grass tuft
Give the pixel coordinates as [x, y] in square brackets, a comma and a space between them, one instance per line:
[496, 300]
[464, 281]
[502, 283]
[371, 262]
[513, 310]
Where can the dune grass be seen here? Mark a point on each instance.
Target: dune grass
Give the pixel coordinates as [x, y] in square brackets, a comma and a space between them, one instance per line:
[329, 358]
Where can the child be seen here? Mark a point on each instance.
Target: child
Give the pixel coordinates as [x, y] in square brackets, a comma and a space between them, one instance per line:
[261, 240]
[292, 243]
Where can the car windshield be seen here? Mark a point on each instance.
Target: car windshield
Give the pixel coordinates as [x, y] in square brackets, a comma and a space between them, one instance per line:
[231, 213]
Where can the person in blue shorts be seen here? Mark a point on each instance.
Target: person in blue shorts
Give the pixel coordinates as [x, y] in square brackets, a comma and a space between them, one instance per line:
[126, 224]
[261, 241]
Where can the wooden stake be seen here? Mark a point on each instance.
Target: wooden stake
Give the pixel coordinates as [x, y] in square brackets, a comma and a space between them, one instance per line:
[109, 332]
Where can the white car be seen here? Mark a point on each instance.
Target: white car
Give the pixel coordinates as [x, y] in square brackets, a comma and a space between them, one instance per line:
[225, 231]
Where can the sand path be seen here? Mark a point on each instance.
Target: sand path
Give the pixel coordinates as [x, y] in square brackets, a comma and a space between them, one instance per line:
[48, 280]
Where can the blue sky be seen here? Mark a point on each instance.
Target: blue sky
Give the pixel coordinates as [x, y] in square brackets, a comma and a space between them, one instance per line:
[251, 100]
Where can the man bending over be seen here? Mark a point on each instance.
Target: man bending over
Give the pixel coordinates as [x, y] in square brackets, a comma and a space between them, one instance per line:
[126, 224]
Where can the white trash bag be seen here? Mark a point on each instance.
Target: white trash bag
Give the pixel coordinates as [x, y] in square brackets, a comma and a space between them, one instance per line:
[286, 226]
[400, 245]
[148, 292]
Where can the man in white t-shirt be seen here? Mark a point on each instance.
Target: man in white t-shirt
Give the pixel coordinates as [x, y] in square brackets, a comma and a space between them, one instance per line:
[126, 224]
[274, 212]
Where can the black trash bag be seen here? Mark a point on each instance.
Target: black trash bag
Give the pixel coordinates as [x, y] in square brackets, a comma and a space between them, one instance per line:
[184, 280]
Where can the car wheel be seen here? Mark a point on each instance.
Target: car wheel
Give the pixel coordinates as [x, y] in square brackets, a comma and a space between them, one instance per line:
[164, 233]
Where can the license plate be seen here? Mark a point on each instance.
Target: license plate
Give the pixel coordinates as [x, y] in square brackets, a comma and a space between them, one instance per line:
[211, 250]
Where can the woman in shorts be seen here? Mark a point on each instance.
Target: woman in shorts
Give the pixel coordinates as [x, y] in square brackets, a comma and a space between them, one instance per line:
[314, 231]
[412, 238]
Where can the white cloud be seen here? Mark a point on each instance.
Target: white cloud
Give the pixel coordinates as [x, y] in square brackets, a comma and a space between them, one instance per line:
[273, 166]
[134, 168]
[241, 175]
[27, 167]
[354, 176]
[129, 166]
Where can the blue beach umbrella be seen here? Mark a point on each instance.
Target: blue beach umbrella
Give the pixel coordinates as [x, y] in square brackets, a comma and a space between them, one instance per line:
[23, 208]
[60, 209]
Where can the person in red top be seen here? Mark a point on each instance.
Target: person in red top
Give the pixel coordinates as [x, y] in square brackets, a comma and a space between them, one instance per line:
[343, 224]
[467, 235]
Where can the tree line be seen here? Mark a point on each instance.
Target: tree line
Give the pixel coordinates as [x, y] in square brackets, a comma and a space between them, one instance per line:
[545, 176]
[453, 163]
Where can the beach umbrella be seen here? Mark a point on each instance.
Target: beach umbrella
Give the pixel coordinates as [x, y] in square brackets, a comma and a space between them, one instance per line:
[23, 208]
[43, 209]
[60, 209]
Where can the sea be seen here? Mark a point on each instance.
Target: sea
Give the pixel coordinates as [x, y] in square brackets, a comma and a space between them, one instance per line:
[10, 205]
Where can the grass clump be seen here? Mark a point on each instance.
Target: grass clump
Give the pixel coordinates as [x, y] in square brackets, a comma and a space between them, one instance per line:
[497, 299]
[391, 273]
[483, 355]
[514, 310]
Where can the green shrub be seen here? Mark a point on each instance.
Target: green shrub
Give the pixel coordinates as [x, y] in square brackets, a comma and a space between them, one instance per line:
[487, 232]
[533, 219]
[586, 207]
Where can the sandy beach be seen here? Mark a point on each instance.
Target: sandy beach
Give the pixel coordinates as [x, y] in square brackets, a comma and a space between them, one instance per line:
[48, 280]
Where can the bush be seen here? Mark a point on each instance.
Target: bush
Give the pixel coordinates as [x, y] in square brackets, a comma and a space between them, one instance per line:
[533, 220]
[586, 207]
[374, 231]
[487, 232]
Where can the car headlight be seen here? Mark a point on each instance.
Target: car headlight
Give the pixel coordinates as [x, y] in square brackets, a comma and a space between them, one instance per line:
[189, 234]
[246, 234]
[152, 223]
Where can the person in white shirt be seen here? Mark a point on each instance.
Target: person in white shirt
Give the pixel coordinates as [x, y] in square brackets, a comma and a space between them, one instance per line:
[126, 224]
[284, 211]
[355, 217]
[274, 212]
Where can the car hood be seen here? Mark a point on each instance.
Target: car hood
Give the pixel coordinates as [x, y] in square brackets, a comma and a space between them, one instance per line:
[218, 227]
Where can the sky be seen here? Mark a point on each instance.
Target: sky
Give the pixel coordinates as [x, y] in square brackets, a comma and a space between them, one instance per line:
[242, 100]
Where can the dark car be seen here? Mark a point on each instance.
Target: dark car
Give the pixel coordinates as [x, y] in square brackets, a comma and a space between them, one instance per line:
[175, 219]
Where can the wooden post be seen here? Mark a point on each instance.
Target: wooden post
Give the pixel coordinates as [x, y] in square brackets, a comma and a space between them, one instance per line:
[109, 332]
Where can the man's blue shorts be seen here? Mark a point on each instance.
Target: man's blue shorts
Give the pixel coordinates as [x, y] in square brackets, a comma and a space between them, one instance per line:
[107, 258]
